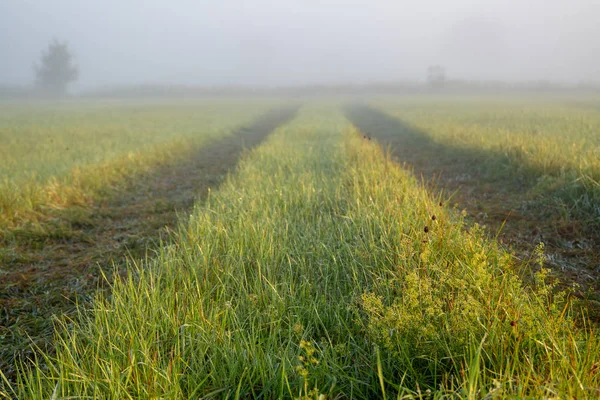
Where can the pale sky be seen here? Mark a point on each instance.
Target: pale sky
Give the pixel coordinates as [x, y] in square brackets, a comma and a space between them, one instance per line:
[285, 42]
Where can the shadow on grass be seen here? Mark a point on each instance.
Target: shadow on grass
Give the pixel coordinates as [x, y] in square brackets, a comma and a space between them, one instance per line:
[434, 160]
[521, 186]
[47, 270]
[496, 191]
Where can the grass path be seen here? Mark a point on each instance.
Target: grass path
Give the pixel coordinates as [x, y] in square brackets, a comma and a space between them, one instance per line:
[322, 268]
[478, 182]
[48, 268]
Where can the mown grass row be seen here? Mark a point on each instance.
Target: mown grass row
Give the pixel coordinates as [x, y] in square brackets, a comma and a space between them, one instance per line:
[321, 268]
[48, 265]
[550, 144]
[55, 156]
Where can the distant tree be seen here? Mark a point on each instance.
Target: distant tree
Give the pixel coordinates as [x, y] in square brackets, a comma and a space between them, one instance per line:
[436, 76]
[56, 70]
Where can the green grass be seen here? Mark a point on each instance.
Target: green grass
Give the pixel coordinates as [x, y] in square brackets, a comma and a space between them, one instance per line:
[553, 143]
[311, 272]
[46, 141]
[52, 259]
[59, 155]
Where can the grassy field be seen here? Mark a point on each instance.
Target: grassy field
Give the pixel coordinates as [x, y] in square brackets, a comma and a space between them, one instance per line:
[58, 155]
[321, 267]
[526, 168]
[552, 146]
[55, 251]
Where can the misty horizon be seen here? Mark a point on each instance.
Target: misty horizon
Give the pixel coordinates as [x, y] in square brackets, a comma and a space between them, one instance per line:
[303, 43]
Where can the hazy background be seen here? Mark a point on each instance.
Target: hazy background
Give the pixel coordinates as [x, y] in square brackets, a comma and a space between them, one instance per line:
[293, 42]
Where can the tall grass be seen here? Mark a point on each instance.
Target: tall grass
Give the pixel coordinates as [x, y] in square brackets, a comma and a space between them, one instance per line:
[318, 269]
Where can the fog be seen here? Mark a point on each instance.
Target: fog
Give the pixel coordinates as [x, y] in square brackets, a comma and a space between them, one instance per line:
[298, 42]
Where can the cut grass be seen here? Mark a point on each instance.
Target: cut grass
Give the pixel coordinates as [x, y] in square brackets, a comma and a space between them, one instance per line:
[311, 272]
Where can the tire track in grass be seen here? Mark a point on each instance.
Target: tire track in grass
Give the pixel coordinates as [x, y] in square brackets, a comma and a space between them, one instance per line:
[498, 201]
[46, 273]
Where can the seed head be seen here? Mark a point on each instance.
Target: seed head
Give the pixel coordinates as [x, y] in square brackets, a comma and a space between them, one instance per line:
[433, 217]
[513, 323]
[441, 204]
[426, 229]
